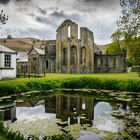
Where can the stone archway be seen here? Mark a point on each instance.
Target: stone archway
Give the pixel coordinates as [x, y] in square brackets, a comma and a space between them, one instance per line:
[64, 56]
[83, 56]
[73, 55]
[73, 59]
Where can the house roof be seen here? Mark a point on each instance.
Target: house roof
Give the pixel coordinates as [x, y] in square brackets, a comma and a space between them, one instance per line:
[40, 51]
[22, 57]
[5, 49]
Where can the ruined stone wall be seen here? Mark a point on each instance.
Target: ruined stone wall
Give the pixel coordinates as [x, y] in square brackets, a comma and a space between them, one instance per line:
[135, 69]
[36, 63]
[87, 46]
[109, 63]
[22, 67]
[50, 56]
[74, 55]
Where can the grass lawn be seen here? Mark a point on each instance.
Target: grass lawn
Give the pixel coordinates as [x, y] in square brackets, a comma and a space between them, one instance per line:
[59, 77]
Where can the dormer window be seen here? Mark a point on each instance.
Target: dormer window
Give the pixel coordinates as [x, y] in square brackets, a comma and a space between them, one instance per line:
[7, 61]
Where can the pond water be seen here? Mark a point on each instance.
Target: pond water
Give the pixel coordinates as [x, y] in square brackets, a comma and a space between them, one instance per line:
[84, 115]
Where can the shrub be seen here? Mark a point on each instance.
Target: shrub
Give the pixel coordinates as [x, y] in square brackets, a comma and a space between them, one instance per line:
[8, 89]
[42, 85]
[133, 86]
[110, 84]
[71, 83]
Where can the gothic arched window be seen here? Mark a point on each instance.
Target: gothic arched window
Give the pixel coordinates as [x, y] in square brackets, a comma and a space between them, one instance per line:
[64, 57]
[47, 64]
[83, 56]
[69, 31]
[114, 62]
[73, 55]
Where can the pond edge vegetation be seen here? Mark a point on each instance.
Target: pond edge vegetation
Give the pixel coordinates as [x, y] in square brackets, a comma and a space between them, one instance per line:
[70, 83]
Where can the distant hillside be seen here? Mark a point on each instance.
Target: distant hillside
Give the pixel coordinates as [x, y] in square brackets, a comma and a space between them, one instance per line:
[100, 48]
[25, 44]
[103, 48]
[22, 44]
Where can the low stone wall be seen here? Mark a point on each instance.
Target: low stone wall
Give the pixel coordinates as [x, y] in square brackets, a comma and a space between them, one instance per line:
[135, 69]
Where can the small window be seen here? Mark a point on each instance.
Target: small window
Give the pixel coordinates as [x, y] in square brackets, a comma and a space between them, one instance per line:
[114, 62]
[106, 64]
[47, 64]
[69, 31]
[7, 60]
[34, 58]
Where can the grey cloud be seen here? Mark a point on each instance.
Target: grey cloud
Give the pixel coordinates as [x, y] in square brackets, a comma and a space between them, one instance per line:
[45, 20]
[95, 5]
[63, 15]
[42, 15]
[42, 11]
[108, 2]
[23, 0]
[4, 1]
[29, 32]
[59, 14]
[92, 0]
[42, 20]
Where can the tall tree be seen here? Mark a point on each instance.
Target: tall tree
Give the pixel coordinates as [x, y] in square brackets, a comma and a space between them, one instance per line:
[129, 21]
[3, 18]
[115, 46]
[117, 37]
[129, 24]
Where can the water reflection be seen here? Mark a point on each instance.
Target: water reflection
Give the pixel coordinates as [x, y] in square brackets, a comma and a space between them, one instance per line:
[8, 111]
[33, 113]
[75, 109]
[70, 109]
[103, 119]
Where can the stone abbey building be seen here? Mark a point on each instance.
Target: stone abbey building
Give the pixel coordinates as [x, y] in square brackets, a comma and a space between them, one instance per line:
[72, 54]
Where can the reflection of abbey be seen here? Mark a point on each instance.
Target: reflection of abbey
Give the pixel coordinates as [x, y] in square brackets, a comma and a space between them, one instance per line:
[69, 54]
[69, 109]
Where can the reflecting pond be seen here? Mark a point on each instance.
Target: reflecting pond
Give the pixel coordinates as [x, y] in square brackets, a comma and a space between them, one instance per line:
[84, 115]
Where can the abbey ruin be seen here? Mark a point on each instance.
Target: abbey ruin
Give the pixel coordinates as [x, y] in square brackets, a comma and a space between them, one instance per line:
[71, 54]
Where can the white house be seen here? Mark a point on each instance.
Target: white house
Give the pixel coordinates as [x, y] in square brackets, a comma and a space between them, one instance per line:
[7, 63]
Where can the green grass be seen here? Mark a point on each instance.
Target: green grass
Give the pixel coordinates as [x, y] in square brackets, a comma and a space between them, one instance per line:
[124, 81]
[115, 76]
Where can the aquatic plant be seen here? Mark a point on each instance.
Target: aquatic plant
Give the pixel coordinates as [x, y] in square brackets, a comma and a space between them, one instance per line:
[6, 134]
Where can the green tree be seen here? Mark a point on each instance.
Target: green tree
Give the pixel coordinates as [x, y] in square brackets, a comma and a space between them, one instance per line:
[129, 24]
[117, 37]
[34, 41]
[3, 18]
[113, 48]
[134, 52]
[9, 37]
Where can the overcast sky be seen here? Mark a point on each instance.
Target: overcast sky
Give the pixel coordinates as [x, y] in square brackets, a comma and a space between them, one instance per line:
[40, 18]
